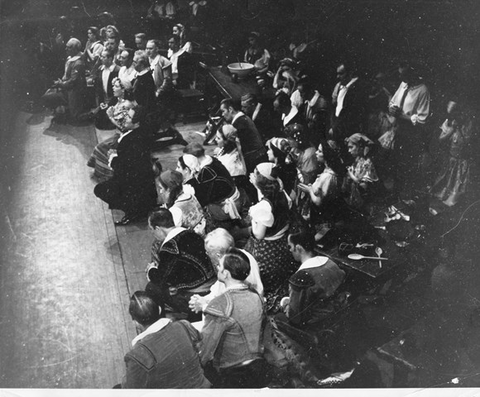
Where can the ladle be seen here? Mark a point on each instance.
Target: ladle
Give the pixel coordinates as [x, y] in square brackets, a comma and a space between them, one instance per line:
[357, 257]
[379, 252]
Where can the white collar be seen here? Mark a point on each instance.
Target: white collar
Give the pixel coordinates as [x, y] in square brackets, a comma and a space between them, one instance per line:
[144, 71]
[155, 60]
[155, 327]
[256, 111]
[316, 261]
[110, 68]
[124, 135]
[293, 112]
[172, 233]
[184, 196]
[312, 101]
[208, 160]
[239, 114]
[74, 58]
[349, 84]
[237, 286]
[131, 67]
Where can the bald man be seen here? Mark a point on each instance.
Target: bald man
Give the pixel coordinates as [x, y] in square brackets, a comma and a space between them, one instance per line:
[70, 90]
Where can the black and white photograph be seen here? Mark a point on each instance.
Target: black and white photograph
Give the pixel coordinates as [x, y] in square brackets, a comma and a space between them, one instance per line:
[240, 194]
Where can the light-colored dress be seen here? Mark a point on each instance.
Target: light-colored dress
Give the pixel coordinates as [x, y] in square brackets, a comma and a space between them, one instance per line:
[232, 161]
[99, 158]
[455, 179]
[364, 170]
[326, 184]
[188, 213]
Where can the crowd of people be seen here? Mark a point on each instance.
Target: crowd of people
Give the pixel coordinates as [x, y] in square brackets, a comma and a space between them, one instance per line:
[235, 232]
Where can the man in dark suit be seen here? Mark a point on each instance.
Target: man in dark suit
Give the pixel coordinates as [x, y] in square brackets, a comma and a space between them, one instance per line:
[143, 85]
[268, 125]
[180, 265]
[104, 89]
[349, 100]
[132, 187]
[253, 150]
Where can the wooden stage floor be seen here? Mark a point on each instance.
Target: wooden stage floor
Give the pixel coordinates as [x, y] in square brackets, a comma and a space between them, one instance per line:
[67, 272]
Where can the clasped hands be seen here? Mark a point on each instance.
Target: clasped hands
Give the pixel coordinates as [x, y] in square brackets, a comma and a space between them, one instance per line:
[197, 303]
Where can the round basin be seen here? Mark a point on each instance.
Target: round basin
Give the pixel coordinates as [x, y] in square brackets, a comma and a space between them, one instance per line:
[241, 69]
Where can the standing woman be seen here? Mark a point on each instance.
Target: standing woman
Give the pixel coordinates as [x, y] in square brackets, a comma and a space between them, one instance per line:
[456, 178]
[93, 46]
[270, 228]
[120, 104]
[179, 31]
[361, 176]
[256, 54]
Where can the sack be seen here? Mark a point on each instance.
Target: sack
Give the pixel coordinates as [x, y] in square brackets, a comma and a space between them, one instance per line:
[387, 140]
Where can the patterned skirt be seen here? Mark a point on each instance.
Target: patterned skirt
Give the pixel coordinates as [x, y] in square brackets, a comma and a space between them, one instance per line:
[454, 181]
[276, 265]
[99, 158]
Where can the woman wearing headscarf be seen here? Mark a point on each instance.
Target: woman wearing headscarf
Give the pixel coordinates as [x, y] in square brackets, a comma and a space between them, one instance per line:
[185, 208]
[277, 152]
[268, 244]
[324, 193]
[361, 175]
[214, 187]
[229, 152]
[304, 157]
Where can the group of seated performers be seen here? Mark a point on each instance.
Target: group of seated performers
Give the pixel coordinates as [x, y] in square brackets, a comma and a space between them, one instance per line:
[236, 231]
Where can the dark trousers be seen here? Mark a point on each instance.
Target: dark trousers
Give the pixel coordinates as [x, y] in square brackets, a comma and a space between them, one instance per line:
[130, 199]
[411, 147]
[251, 376]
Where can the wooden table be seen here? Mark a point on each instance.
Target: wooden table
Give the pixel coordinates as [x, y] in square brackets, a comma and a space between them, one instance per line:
[229, 89]
[221, 80]
[366, 275]
[370, 267]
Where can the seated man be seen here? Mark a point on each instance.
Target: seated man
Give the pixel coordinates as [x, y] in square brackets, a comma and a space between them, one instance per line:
[234, 322]
[217, 243]
[70, 90]
[180, 266]
[163, 355]
[132, 187]
[313, 286]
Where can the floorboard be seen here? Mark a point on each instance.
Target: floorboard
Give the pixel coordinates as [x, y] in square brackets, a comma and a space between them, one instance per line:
[64, 292]
[67, 271]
